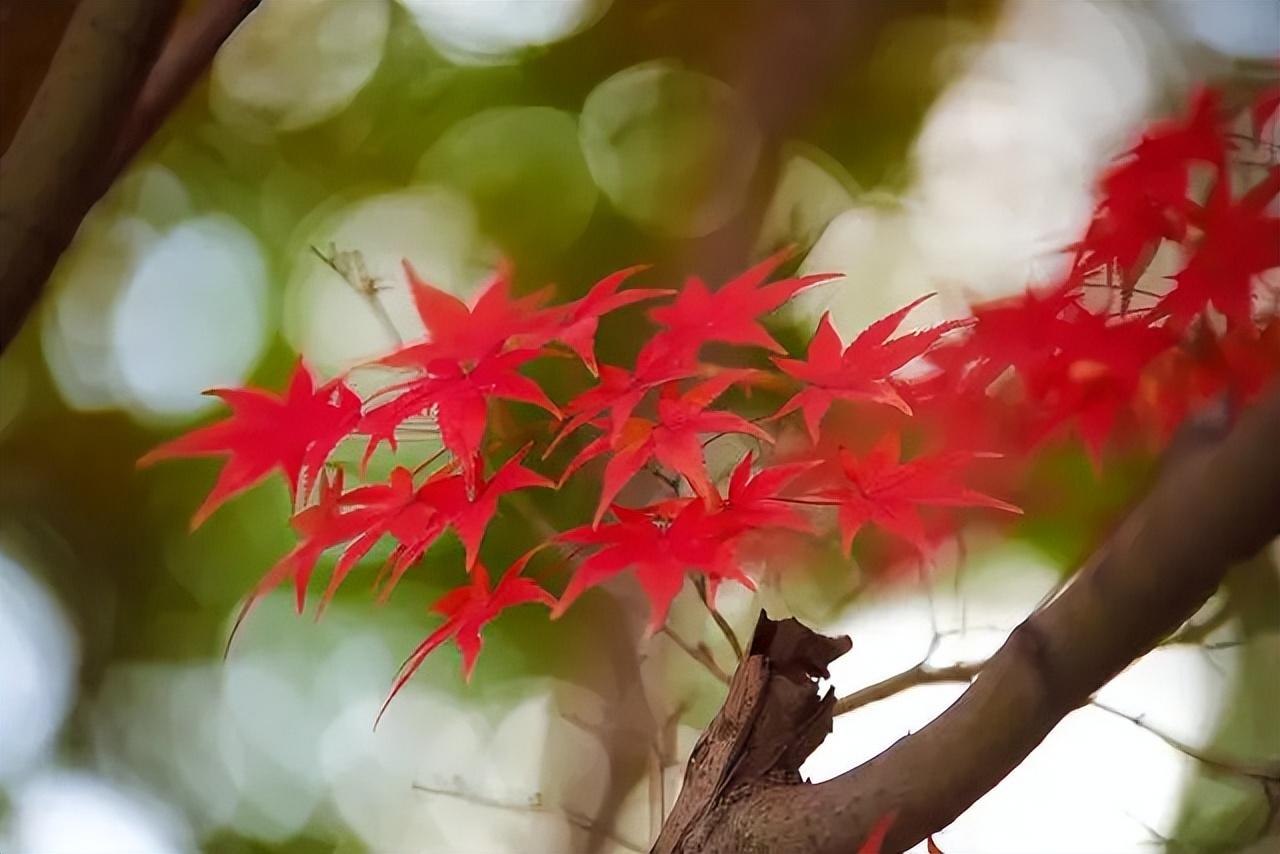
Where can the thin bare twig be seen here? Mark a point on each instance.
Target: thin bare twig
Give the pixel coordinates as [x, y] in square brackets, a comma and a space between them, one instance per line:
[1198, 632]
[534, 805]
[349, 265]
[698, 653]
[1262, 771]
[921, 674]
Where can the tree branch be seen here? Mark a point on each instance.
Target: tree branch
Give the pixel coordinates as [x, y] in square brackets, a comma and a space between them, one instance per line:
[187, 52]
[1214, 504]
[49, 173]
[111, 83]
[698, 653]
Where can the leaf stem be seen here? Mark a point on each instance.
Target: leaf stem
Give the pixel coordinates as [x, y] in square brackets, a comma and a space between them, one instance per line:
[721, 623]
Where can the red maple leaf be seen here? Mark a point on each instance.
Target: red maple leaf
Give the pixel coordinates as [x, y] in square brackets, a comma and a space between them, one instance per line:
[466, 335]
[467, 610]
[860, 371]
[730, 314]
[661, 543]
[1239, 242]
[755, 502]
[414, 517]
[1145, 196]
[1236, 365]
[877, 488]
[458, 399]
[575, 323]
[619, 391]
[672, 440]
[1013, 332]
[320, 527]
[1094, 373]
[265, 432]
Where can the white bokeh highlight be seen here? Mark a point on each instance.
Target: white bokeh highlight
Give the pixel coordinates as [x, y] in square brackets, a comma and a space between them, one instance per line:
[1005, 165]
[69, 812]
[295, 63]
[496, 31]
[432, 227]
[38, 662]
[193, 316]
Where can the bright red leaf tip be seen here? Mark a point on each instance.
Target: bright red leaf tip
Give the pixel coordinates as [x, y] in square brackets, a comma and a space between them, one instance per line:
[1095, 374]
[458, 399]
[1265, 108]
[730, 315]
[1145, 196]
[620, 392]
[879, 489]
[673, 440]
[265, 432]
[575, 323]
[661, 543]
[874, 842]
[755, 502]
[415, 518]
[860, 371]
[467, 610]
[319, 527]
[1240, 241]
[461, 334]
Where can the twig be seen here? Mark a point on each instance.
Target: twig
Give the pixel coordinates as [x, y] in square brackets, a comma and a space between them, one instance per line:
[1263, 771]
[673, 483]
[349, 265]
[698, 653]
[1198, 633]
[1109, 287]
[921, 674]
[534, 805]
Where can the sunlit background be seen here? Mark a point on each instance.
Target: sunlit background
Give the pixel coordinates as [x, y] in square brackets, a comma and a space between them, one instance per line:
[921, 146]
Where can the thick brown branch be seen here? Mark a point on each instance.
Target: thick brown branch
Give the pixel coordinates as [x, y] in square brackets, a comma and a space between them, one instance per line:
[49, 176]
[1217, 503]
[114, 79]
[186, 54]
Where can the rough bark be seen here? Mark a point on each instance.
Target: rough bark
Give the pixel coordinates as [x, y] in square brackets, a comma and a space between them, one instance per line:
[187, 52]
[111, 82]
[49, 172]
[1217, 502]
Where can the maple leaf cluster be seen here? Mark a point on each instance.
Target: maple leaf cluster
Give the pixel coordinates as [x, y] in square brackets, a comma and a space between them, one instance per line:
[1052, 356]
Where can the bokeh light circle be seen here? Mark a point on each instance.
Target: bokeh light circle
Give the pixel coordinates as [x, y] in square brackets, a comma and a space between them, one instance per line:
[673, 149]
